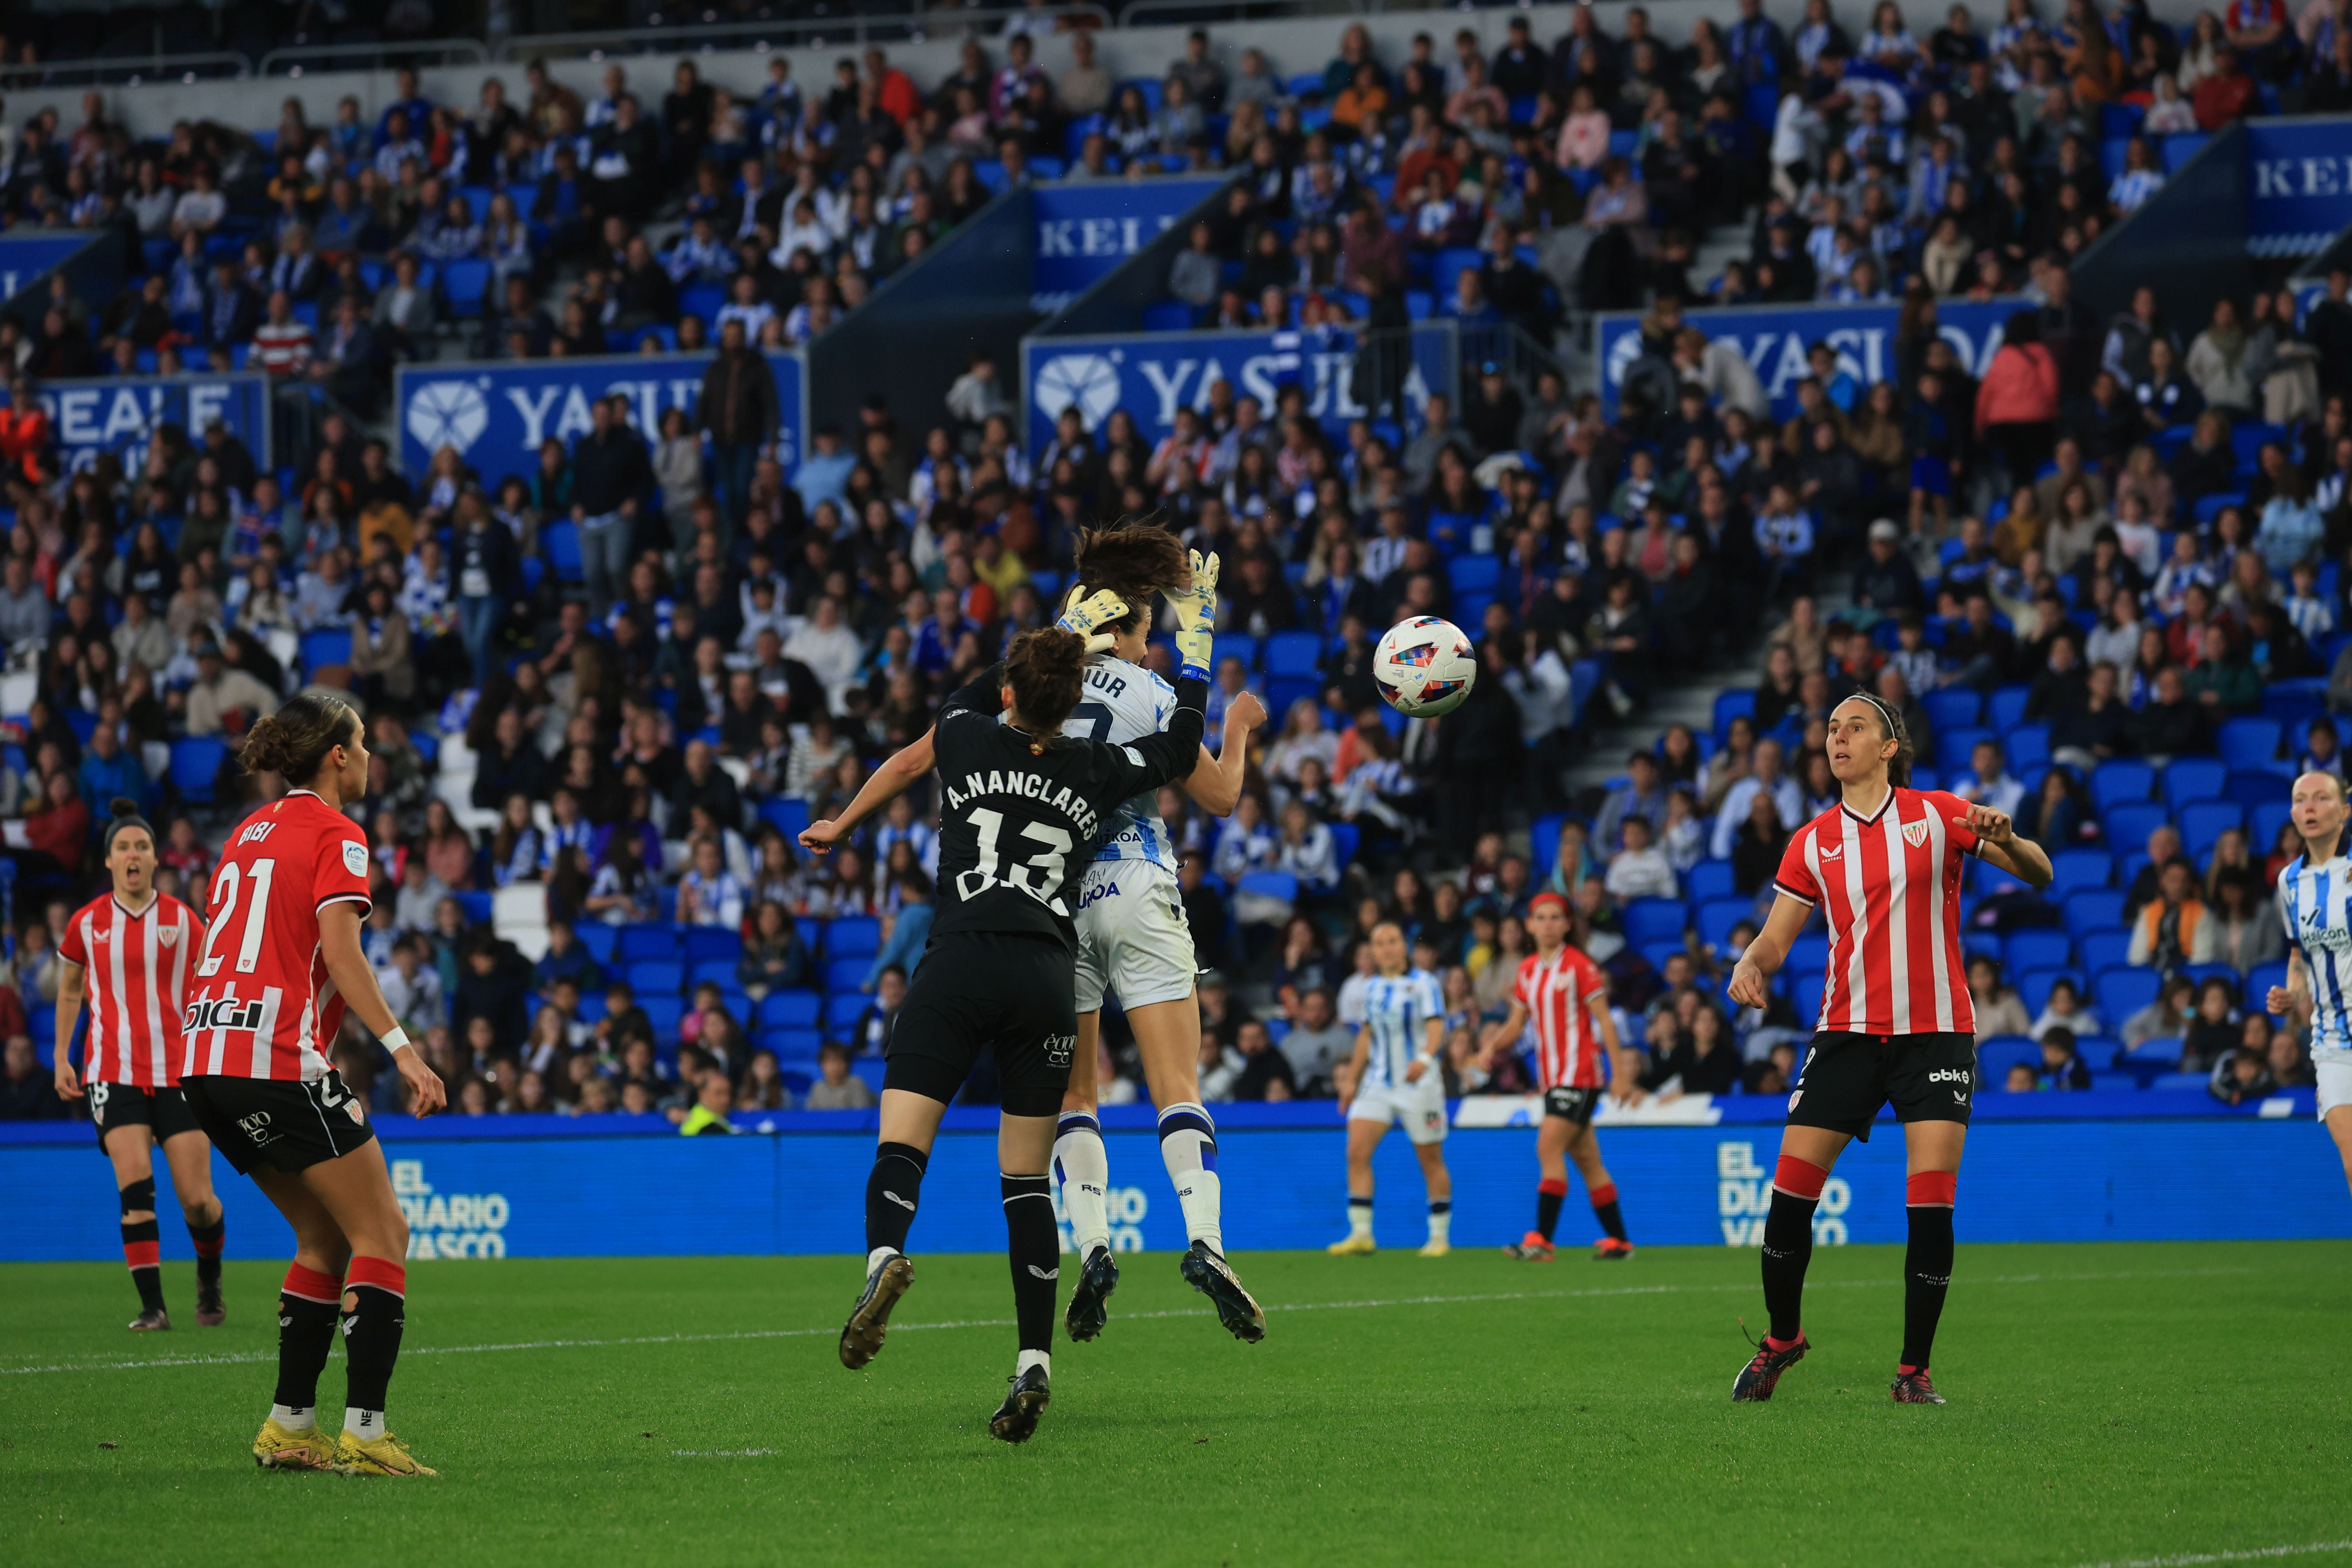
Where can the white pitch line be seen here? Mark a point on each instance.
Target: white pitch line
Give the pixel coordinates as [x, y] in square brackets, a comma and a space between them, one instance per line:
[2190, 1559]
[720, 1453]
[256, 1357]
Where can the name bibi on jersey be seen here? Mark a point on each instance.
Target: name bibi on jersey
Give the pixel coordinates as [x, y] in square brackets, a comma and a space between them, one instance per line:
[1029, 786]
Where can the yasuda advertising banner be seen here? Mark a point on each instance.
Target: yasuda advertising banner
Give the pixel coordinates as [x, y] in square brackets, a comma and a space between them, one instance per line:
[121, 413]
[1153, 375]
[1775, 339]
[1087, 228]
[2298, 184]
[496, 414]
[611, 1186]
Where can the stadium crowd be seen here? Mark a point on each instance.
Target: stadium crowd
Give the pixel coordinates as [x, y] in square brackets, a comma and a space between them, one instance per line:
[625, 678]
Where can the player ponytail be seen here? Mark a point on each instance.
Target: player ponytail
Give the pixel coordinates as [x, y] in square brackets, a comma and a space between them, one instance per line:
[294, 742]
[126, 814]
[1134, 558]
[1046, 669]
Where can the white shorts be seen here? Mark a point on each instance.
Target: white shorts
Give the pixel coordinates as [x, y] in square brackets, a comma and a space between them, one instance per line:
[1419, 1106]
[2334, 1085]
[1132, 937]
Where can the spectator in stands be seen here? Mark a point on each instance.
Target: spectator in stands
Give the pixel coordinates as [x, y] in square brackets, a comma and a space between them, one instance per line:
[836, 1089]
[1997, 1009]
[2175, 928]
[2064, 1009]
[2061, 1064]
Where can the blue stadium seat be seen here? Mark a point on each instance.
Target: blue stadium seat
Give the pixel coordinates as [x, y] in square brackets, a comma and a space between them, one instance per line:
[1237, 645]
[844, 1009]
[2128, 826]
[2261, 978]
[2157, 1051]
[1708, 879]
[645, 943]
[2263, 824]
[788, 816]
[703, 299]
[1805, 998]
[2251, 787]
[663, 1012]
[811, 933]
[656, 977]
[1995, 1056]
[1953, 707]
[1717, 916]
[2027, 747]
[465, 282]
[712, 945]
[328, 645]
[1653, 920]
[1167, 316]
[2194, 1082]
[2079, 868]
[1345, 837]
[1977, 944]
[1954, 747]
[2033, 987]
[2121, 780]
[2249, 743]
[853, 936]
[477, 907]
[2202, 822]
[1470, 574]
[847, 973]
[560, 542]
[2037, 949]
[1284, 692]
[2124, 992]
[2107, 947]
[195, 763]
[718, 972]
[790, 1009]
[1740, 703]
[599, 938]
[2005, 709]
[2192, 778]
[1293, 653]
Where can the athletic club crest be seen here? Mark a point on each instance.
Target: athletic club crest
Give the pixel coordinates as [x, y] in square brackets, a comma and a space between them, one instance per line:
[168, 935]
[1915, 833]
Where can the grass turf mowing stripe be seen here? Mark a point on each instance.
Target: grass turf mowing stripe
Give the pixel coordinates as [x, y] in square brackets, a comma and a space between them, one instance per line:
[260, 1357]
[2256, 1554]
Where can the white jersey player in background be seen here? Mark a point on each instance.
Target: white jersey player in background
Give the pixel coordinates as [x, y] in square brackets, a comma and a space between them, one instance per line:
[1396, 1076]
[1132, 936]
[2315, 904]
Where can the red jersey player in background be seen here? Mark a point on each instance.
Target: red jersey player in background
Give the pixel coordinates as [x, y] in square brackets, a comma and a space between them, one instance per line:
[1566, 994]
[1883, 866]
[280, 962]
[132, 953]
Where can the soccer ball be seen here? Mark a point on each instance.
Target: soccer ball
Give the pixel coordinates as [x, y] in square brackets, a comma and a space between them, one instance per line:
[1425, 666]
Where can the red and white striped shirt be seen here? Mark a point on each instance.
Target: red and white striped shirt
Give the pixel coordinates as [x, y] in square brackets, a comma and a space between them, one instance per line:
[263, 1006]
[135, 973]
[1890, 889]
[1558, 994]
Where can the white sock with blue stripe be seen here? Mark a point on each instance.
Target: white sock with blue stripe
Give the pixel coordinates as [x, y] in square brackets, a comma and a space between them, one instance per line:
[1082, 1166]
[1188, 1142]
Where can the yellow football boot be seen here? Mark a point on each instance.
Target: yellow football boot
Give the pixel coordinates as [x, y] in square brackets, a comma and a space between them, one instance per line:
[280, 1449]
[384, 1455]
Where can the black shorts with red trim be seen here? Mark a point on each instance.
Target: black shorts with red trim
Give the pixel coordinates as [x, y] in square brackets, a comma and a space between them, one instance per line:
[1846, 1078]
[285, 1125]
[162, 1111]
[1573, 1106]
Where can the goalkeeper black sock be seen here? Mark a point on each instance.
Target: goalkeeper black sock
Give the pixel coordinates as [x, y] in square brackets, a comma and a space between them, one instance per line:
[892, 1191]
[1034, 1248]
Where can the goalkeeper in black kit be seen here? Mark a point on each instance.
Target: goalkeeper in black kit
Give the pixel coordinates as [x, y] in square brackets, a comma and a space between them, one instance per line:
[1021, 807]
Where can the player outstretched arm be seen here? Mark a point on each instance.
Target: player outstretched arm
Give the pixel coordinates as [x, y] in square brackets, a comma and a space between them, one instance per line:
[1998, 845]
[70, 994]
[1751, 979]
[1215, 784]
[347, 966]
[1505, 1031]
[894, 778]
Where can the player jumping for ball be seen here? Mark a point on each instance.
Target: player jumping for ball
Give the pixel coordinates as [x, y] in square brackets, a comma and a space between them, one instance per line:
[1567, 996]
[1132, 936]
[2315, 904]
[1394, 1077]
[131, 952]
[1883, 866]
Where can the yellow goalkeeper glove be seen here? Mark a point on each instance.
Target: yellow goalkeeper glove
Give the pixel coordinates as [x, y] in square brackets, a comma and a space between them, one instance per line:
[1196, 618]
[1083, 616]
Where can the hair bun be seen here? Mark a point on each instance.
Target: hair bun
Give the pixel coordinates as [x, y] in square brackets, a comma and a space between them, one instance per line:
[124, 805]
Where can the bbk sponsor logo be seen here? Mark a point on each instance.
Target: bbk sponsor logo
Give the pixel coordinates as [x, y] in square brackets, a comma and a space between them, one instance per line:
[1743, 1197]
[448, 1224]
[1125, 1208]
[1951, 1075]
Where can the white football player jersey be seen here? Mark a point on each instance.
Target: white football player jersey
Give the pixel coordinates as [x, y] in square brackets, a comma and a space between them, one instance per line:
[1123, 703]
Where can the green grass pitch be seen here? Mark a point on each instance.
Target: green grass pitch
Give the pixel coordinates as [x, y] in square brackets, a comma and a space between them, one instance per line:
[2110, 1404]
